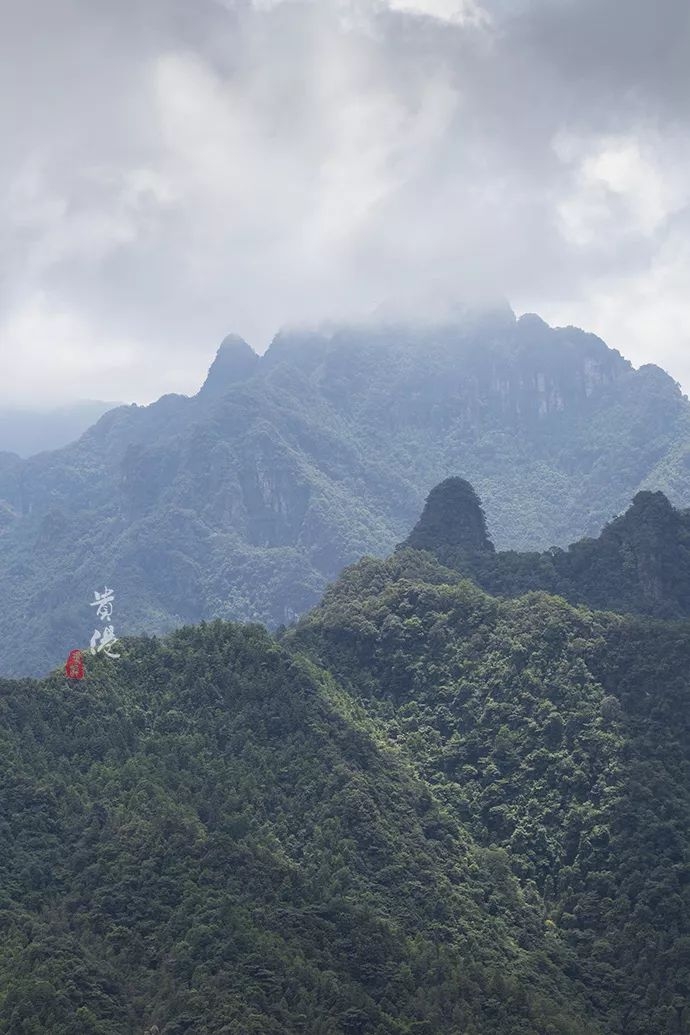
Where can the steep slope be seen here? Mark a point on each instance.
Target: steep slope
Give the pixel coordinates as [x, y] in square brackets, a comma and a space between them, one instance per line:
[560, 737]
[242, 501]
[207, 836]
[639, 564]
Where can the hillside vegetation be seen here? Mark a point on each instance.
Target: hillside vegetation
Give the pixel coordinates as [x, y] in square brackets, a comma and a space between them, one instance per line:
[207, 836]
[424, 810]
[561, 738]
[640, 564]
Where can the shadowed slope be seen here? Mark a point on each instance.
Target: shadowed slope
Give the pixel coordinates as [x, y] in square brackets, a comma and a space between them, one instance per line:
[560, 737]
[209, 836]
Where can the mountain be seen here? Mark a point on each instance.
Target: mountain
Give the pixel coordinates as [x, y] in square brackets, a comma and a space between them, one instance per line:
[26, 431]
[244, 500]
[421, 810]
[559, 737]
[206, 837]
[639, 564]
[452, 522]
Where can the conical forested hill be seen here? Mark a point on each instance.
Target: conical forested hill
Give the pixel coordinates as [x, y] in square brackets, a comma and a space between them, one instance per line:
[452, 521]
[640, 563]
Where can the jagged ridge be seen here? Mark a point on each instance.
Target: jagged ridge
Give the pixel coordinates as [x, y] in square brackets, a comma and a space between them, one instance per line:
[242, 501]
[639, 564]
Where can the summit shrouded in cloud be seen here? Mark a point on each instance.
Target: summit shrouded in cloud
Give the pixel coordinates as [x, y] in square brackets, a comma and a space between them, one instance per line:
[244, 500]
[173, 173]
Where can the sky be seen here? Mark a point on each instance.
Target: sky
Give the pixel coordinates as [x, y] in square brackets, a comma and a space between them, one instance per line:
[175, 171]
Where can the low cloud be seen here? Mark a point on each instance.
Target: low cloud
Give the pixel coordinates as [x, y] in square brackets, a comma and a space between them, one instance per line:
[174, 175]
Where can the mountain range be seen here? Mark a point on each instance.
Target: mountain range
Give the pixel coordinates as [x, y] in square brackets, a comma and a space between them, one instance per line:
[422, 809]
[244, 500]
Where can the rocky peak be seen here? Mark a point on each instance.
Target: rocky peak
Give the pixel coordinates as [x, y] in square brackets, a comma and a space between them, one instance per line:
[651, 519]
[530, 322]
[452, 519]
[235, 361]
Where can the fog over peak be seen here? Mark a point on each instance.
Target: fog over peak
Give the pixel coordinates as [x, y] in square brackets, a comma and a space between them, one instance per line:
[175, 173]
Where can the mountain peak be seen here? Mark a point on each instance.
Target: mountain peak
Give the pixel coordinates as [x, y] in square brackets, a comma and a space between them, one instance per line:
[650, 517]
[235, 361]
[452, 518]
[640, 564]
[649, 500]
[534, 323]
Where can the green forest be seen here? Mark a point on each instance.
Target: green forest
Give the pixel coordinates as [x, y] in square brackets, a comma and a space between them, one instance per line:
[423, 809]
[344, 599]
[639, 564]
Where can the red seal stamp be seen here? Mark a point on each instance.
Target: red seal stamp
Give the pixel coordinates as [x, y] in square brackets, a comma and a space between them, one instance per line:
[74, 669]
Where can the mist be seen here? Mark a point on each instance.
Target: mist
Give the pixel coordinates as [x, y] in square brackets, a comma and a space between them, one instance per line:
[174, 174]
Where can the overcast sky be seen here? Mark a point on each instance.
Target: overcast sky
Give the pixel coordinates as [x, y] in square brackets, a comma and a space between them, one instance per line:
[174, 170]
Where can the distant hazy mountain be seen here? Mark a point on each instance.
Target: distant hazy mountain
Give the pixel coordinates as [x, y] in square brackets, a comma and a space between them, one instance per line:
[25, 431]
[242, 501]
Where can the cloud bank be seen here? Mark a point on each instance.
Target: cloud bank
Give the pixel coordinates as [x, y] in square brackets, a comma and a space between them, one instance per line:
[174, 172]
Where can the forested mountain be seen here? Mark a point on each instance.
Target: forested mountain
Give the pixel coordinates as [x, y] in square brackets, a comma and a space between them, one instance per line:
[244, 500]
[639, 564]
[423, 811]
[207, 836]
[560, 737]
[25, 431]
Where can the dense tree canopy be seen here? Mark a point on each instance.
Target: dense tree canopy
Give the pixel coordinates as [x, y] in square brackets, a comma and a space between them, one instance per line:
[423, 810]
[210, 836]
[560, 737]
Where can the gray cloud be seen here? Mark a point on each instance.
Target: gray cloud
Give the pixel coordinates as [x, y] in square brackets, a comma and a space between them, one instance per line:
[173, 173]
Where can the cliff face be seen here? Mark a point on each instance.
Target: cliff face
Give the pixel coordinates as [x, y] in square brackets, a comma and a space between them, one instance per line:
[242, 501]
[515, 371]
